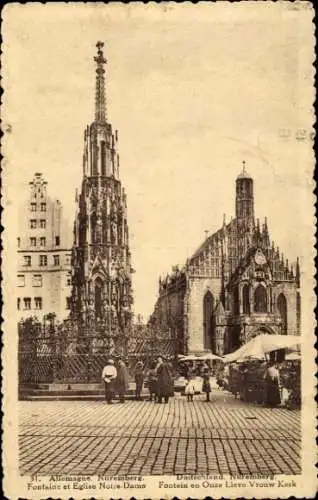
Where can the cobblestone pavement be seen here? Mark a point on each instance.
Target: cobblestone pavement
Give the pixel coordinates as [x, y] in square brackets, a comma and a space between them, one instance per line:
[224, 436]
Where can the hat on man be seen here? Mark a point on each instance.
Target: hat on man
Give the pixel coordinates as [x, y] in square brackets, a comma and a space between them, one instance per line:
[110, 362]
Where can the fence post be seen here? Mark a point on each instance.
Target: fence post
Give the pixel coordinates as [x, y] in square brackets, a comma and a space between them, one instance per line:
[88, 368]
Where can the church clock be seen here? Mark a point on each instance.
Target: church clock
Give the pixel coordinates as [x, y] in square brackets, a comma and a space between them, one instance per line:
[260, 258]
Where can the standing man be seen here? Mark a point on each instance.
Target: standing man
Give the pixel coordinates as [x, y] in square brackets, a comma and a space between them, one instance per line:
[139, 379]
[109, 375]
[206, 383]
[164, 381]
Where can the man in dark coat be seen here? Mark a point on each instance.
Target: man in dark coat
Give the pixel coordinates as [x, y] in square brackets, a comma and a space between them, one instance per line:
[164, 381]
[121, 380]
[139, 378]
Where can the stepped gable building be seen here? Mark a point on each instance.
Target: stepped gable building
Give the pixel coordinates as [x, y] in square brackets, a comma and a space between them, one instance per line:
[235, 286]
[101, 260]
[44, 255]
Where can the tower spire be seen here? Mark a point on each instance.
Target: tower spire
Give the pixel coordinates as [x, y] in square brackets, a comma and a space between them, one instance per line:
[100, 101]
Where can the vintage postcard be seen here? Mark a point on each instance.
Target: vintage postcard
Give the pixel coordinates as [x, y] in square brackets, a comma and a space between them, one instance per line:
[158, 250]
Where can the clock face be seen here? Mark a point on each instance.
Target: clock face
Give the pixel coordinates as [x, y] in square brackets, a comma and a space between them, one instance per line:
[260, 258]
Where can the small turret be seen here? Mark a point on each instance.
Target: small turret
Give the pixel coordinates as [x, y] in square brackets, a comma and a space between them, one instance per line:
[265, 234]
[297, 273]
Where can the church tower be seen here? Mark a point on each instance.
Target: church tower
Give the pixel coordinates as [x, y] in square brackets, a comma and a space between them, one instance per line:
[244, 198]
[101, 260]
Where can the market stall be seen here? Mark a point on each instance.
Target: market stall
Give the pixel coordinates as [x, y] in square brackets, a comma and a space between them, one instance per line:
[194, 365]
[290, 380]
[248, 365]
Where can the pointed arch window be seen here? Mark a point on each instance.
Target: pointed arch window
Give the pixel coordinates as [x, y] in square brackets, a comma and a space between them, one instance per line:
[282, 309]
[93, 228]
[246, 299]
[98, 285]
[236, 301]
[260, 299]
[209, 321]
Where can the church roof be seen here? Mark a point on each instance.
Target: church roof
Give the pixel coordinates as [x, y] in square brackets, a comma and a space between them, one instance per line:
[218, 234]
[243, 174]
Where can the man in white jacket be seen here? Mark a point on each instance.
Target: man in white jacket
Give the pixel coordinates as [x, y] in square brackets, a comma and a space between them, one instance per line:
[109, 375]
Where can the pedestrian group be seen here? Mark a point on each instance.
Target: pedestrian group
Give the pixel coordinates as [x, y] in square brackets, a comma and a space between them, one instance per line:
[160, 381]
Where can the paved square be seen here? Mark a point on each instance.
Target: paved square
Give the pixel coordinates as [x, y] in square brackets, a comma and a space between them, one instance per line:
[225, 436]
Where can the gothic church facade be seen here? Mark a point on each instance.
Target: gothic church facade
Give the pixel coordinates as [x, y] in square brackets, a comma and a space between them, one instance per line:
[235, 286]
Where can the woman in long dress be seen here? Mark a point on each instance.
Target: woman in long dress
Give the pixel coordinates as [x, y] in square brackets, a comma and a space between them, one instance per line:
[122, 380]
[272, 385]
[109, 375]
[152, 382]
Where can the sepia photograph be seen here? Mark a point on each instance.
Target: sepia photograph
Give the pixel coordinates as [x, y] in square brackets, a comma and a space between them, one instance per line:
[158, 250]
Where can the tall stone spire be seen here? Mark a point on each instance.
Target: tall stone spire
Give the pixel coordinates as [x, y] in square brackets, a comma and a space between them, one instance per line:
[102, 294]
[100, 100]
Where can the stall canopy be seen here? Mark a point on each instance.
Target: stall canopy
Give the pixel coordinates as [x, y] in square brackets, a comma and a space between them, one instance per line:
[292, 356]
[211, 356]
[261, 345]
[191, 357]
[203, 357]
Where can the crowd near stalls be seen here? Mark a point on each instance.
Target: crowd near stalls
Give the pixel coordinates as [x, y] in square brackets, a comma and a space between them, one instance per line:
[265, 370]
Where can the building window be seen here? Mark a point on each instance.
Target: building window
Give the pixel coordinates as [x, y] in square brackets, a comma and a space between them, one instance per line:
[260, 299]
[43, 260]
[38, 302]
[209, 322]
[33, 242]
[246, 299]
[21, 280]
[57, 241]
[43, 207]
[27, 303]
[68, 302]
[33, 207]
[43, 241]
[19, 242]
[37, 280]
[282, 309]
[56, 260]
[27, 260]
[43, 223]
[33, 223]
[236, 301]
[18, 303]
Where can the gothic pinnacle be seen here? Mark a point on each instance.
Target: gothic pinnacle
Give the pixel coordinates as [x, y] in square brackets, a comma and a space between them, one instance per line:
[100, 101]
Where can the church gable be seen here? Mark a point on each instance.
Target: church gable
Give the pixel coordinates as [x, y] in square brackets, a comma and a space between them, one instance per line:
[98, 268]
[253, 266]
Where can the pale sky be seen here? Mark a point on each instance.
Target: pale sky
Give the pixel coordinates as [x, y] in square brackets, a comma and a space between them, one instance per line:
[193, 90]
